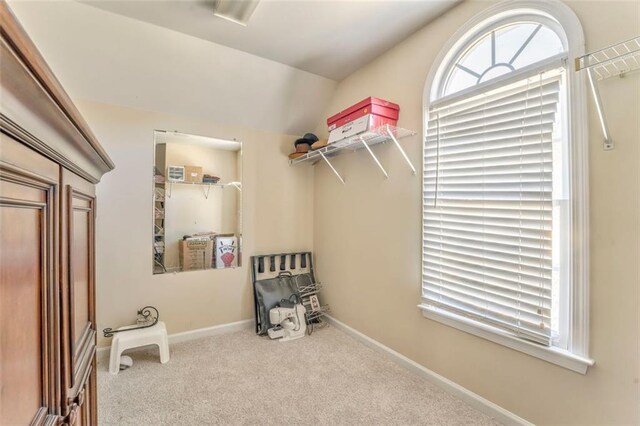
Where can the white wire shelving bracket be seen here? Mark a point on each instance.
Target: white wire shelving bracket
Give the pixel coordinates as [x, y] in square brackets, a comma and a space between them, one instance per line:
[364, 143]
[236, 185]
[364, 140]
[614, 61]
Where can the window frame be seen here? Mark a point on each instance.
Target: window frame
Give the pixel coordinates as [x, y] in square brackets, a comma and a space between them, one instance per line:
[565, 23]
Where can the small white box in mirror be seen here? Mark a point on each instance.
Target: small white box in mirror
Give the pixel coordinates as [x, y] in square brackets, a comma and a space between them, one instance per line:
[175, 173]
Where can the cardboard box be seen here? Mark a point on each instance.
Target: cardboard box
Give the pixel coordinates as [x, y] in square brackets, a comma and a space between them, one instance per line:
[193, 174]
[196, 253]
[226, 254]
[212, 237]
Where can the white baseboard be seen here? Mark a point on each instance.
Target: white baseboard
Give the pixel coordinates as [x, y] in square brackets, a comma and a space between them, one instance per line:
[476, 401]
[197, 333]
[210, 331]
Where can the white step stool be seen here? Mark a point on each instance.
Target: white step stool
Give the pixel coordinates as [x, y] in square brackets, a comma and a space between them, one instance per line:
[156, 335]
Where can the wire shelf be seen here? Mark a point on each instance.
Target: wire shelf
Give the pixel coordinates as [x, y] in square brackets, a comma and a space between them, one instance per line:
[615, 60]
[220, 185]
[206, 186]
[365, 140]
[612, 61]
[373, 137]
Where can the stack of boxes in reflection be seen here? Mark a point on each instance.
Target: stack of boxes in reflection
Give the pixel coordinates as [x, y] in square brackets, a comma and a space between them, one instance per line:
[208, 250]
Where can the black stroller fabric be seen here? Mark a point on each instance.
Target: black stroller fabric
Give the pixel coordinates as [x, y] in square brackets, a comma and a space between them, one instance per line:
[269, 290]
[269, 293]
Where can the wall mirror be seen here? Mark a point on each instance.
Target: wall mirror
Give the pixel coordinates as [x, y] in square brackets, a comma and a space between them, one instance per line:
[197, 203]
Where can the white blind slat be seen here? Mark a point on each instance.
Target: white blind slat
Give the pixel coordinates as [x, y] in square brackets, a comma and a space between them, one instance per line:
[506, 162]
[441, 150]
[497, 206]
[543, 262]
[490, 301]
[525, 121]
[513, 131]
[538, 176]
[527, 295]
[519, 138]
[532, 230]
[532, 332]
[488, 152]
[488, 203]
[496, 113]
[515, 92]
[488, 266]
[533, 287]
[489, 239]
[488, 173]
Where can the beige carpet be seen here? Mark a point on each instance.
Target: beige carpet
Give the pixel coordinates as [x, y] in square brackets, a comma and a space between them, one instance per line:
[239, 378]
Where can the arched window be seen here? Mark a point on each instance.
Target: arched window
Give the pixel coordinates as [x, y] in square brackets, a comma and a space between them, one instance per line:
[507, 48]
[504, 182]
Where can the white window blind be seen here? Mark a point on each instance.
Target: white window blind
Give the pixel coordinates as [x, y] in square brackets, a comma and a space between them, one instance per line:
[488, 206]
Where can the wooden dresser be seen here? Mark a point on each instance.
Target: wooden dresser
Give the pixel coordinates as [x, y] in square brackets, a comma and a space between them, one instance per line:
[50, 163]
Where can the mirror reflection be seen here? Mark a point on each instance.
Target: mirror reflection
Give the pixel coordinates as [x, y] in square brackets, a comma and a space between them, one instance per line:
[197, 197]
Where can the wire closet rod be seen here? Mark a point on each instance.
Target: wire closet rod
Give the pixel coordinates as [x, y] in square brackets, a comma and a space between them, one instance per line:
[616, 60]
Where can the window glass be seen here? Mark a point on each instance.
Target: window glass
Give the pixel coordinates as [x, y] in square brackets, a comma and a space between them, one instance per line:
[501, 51]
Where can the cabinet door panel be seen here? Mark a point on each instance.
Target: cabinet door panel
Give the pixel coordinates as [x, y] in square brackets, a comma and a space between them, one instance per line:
[78, 289]
[82, 220]
[27, 294]
[21, 357]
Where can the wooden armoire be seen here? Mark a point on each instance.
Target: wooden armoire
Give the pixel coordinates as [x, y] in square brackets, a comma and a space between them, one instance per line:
[50, 162]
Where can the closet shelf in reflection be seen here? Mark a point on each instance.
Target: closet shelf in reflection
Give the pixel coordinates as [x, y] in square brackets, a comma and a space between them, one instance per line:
[206, 186]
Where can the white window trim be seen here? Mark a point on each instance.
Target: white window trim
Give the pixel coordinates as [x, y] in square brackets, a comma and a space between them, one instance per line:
[551, 354]
[576, 358]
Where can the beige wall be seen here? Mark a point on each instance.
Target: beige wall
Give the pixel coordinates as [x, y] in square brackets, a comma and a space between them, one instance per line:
[367, 241]
[277, 202]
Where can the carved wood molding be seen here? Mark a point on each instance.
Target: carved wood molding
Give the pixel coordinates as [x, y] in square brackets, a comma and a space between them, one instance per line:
[12, 173]
[14, 130]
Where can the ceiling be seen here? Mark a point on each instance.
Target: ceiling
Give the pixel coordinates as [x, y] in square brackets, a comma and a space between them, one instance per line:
[328, 38]
[112, 59]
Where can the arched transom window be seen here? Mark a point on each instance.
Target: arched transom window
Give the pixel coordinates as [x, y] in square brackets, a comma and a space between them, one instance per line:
[500, 51]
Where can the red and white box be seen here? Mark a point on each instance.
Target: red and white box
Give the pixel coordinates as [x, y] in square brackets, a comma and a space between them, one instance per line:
[226, 252]
[366, 115]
